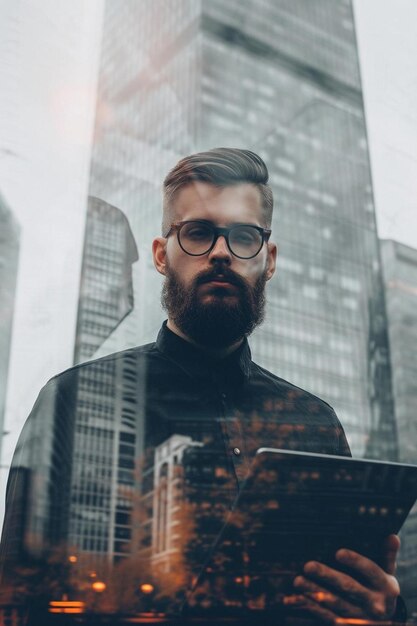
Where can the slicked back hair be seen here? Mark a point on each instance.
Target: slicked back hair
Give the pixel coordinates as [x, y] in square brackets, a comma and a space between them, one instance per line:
[221, 167]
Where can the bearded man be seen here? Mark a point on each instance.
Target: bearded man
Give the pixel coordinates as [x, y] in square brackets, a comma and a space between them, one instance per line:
[196, 388]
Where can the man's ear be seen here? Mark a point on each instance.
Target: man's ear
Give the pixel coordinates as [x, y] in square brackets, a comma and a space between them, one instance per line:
[159, 254]
[271, 261]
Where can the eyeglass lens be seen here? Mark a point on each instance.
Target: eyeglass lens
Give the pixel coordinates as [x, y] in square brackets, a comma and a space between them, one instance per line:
[197, 238]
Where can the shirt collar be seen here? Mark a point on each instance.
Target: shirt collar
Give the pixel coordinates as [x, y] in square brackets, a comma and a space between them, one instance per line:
[198, 363]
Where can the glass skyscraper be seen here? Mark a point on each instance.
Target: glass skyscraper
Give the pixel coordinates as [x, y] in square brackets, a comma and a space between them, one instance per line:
[9, 257]
[104, 403]
[281, 78]
[400, 279]
[106, 292]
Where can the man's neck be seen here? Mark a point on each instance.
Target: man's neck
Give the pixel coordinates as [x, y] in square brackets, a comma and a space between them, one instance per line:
[219, 353]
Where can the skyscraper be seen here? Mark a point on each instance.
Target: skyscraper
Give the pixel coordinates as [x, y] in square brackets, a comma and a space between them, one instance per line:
[9, 256]
[106, 297]
[400, 279]
[59, 500]
[281, 78]
[106, 292]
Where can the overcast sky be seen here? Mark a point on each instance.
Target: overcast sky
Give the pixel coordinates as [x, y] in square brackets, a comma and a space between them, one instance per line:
[48, 68]
[387, 41]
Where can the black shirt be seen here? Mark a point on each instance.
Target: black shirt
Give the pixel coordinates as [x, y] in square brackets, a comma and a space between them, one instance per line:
[188, 391]
[107, 437]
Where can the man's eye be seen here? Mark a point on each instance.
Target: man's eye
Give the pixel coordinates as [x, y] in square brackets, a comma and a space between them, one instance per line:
[198, 233]
[245, 237]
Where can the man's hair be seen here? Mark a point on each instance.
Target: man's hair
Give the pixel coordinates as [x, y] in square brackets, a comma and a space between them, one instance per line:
[221, 167]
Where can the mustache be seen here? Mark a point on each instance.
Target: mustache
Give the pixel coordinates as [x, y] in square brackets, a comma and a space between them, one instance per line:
[224, 273]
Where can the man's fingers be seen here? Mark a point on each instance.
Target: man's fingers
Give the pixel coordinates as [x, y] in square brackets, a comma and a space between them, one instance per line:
[369, 571]
[340, 582]
[322, 613]
[378, 598]
[326, 599]
[372, 571]
[391, 548]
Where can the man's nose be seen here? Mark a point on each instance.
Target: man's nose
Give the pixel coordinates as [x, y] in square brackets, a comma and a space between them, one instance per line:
[220, 251]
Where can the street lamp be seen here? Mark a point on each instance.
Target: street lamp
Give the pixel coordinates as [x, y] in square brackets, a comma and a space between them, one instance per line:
[147, 588]
[146, 592]
[98, 586]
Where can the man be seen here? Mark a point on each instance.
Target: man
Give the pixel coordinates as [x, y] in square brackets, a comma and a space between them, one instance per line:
[194, 393]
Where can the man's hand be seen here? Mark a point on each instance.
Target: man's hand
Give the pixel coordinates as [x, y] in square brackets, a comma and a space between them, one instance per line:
[330, 594]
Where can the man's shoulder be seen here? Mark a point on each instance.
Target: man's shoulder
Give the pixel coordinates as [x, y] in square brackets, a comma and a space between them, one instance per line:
[290, 390]
[134, 354]
[309, 422]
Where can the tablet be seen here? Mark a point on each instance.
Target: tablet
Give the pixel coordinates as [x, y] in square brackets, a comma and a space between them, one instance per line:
[295, 507]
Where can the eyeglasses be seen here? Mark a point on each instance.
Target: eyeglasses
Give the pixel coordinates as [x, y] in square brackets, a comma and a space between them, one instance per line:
[198, 237]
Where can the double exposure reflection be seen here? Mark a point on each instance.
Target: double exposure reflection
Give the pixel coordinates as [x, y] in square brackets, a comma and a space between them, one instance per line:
[139, 485]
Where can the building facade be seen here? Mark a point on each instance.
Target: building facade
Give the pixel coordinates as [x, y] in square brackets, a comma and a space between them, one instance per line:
[400, 279]
[106, 292]
[72, 466]
[281, 78]
[104, 440]
[9, 257]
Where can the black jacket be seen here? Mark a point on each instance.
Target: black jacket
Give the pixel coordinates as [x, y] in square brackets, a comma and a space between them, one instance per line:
[105, 436]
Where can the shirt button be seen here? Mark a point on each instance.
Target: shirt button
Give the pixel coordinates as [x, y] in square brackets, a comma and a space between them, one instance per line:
[236, 451]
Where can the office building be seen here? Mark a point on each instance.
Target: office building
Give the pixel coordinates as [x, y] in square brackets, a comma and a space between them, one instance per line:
[105, 400]
[400, 279]
[99, 410]
[9, 257]
[106, 292]
[281, 78]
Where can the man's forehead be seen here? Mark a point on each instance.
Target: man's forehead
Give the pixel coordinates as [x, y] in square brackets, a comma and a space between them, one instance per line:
[206, 196]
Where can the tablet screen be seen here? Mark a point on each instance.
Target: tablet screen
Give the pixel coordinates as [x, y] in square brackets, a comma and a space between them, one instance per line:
[295, 507]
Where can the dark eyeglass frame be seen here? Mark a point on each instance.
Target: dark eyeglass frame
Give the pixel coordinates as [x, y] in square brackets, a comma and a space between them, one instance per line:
[219, 231]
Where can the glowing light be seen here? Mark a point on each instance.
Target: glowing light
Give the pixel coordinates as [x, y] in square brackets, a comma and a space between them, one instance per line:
[322, 596]
[147, 588]
[99, 586]
[66, 606]
[66, 610]
[72, 558]
[293, 599]
[357, 621]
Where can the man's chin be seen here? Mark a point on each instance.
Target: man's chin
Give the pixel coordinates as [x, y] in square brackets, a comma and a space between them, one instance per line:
[214, 313]
[219, 289]
[216, 322]
[220, 298]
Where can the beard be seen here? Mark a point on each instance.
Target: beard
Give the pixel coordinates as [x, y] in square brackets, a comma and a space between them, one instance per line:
[221, 321]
